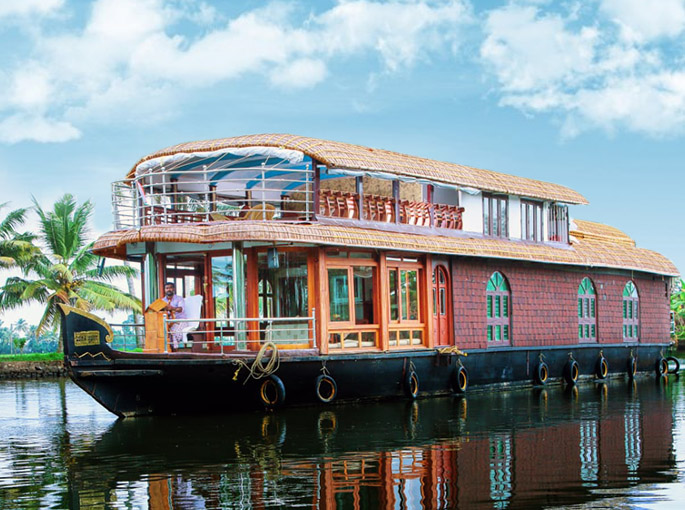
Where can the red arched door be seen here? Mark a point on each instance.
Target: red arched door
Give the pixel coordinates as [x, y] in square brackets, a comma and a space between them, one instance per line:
[442, 310]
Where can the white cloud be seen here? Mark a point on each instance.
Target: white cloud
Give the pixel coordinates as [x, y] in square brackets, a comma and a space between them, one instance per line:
[20, 127]
[642, 20]
[129, 52]
[302, 73]
[10, 8]
[529, 51]
[588, 71]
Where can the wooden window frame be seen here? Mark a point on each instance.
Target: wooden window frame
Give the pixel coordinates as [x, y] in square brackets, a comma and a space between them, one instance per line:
[489, 200]
[537, 210]
[587, 311]
[398, 327]
[631, 313]
[344, 328]
[501, 320]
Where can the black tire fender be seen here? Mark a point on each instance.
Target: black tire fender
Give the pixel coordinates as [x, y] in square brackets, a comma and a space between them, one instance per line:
[571, 371]
[411, 384]
[326, 388]
[541, 373]
[661, 367]
[602, 368]
[632, 367]
[677, 364]
[460, 379]
[272, 392]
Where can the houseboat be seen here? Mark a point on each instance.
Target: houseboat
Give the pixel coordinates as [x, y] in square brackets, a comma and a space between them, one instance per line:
[315, 271]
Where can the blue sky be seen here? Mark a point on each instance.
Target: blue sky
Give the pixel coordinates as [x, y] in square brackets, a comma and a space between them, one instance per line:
[586, 94]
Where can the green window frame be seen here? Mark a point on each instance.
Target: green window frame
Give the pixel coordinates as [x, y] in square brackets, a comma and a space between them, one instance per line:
[498, 310]
[631, 313]
[587, 311]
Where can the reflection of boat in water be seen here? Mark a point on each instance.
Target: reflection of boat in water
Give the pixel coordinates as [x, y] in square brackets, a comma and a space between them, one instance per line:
[370, 273]
[519, 449]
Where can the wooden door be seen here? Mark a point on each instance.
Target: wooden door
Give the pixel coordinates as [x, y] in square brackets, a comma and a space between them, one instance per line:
[442, 310]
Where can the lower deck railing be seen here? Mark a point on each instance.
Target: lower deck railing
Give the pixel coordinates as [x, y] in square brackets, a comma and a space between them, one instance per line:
[222, 335]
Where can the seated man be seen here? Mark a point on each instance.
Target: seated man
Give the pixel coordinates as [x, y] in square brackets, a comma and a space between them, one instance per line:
[176, 310]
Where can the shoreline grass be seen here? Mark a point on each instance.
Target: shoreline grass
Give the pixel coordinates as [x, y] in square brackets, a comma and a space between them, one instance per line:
[43, 356]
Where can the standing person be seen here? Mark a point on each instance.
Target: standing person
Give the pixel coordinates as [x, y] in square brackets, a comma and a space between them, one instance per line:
[176, 308]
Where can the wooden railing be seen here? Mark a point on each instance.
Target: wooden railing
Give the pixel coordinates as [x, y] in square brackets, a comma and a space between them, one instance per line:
[339, 204]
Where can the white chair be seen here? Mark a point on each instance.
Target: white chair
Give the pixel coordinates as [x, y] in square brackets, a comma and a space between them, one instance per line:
[193, 310]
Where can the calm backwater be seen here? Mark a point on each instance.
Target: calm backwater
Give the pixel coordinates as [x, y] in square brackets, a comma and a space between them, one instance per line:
[618, 445]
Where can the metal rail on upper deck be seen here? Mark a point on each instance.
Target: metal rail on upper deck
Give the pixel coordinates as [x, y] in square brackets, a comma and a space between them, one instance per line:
[194, 196]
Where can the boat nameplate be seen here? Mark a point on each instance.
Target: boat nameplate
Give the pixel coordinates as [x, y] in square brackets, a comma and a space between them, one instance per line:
[86, 338]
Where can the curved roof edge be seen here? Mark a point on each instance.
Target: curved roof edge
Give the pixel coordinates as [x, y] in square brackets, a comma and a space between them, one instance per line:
[585, 252]
[356, 157]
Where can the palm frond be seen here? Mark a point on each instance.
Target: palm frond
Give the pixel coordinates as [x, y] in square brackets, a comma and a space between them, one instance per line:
[110, 273]
[13, 219]
[104, 296]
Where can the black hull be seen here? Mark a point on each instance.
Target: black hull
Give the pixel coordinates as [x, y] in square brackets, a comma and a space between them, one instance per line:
[130, 384]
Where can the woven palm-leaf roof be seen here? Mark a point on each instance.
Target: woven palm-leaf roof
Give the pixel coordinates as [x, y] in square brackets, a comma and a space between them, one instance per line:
[599, 232]
[587, 252]
[357, 157]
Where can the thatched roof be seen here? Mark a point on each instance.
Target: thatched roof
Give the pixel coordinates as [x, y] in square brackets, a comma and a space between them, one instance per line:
[356, 157]
[586, 250]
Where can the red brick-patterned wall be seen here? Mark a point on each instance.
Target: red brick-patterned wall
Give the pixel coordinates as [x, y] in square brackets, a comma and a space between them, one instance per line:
[544, 301]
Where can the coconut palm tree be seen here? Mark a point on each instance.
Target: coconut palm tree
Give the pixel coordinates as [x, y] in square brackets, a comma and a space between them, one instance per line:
[15, 248]
[65, 271]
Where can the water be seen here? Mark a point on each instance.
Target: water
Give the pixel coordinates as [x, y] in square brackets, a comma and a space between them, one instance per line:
[617, 445]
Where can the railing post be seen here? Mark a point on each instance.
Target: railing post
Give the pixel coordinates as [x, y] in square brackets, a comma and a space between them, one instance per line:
[314, 327]
[166, 334]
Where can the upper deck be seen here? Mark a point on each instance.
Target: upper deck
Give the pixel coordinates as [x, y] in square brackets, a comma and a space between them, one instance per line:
[284, 177]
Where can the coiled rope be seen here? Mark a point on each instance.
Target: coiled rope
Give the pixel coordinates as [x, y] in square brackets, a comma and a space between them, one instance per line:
[258, 370]
[452, 349]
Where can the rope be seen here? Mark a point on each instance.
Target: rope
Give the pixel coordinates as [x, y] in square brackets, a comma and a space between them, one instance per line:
[258, 370]
[452, 349]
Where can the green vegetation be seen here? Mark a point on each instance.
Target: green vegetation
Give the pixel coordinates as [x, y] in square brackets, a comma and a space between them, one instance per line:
[66, 271]
[43, 356]
[57, 267]
[678, 308]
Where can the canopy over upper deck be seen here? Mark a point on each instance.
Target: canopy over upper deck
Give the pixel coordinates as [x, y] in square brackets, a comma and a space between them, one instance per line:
[295, 152]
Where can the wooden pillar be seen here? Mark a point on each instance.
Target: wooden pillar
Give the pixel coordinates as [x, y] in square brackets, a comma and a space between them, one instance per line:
[428, 301]
[396, 197]
[359, 184]
[430, 190]
[384, 291]
[322, 298]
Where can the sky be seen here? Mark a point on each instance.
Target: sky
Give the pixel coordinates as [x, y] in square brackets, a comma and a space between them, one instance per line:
[588, 94]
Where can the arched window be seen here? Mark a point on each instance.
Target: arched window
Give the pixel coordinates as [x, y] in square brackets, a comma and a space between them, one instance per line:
[498, 310]
[631, 317]
[587, 311]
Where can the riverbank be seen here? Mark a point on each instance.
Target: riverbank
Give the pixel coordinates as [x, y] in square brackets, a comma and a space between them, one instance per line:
[32, 369]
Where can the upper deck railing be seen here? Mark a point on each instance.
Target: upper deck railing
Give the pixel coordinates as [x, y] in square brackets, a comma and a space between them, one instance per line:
[192, 196]
[260, 193]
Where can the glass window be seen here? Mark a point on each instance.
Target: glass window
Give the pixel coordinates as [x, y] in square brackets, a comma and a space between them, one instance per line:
[495, 215]
[364, 294]
[531, 220]
[339, 304]
[394, 302]
[222, 286]
[283, 289]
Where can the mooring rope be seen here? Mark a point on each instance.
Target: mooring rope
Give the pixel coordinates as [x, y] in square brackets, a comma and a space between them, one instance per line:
[452, 349]
[258, 370]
